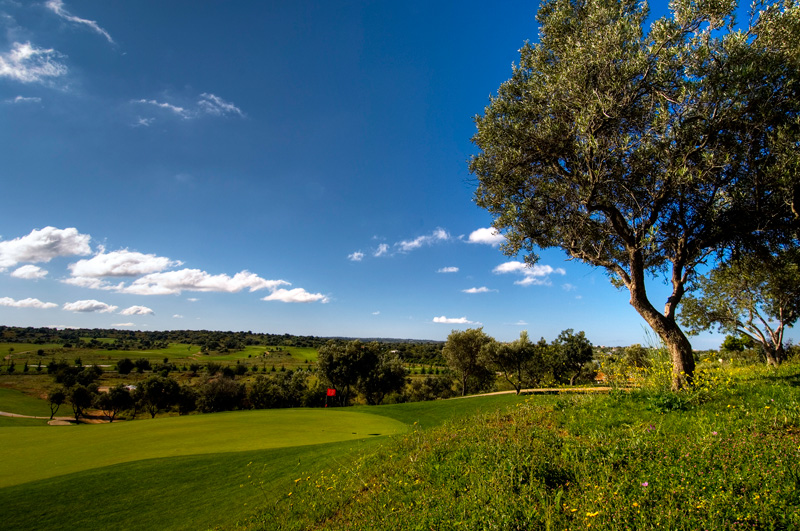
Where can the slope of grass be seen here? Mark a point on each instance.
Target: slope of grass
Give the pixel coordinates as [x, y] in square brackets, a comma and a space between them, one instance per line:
[31, 454]
[723, 455]
[193, 491]
[14, 401]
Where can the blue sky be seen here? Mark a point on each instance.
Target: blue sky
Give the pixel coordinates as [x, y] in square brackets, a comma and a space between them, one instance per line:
[283, 167]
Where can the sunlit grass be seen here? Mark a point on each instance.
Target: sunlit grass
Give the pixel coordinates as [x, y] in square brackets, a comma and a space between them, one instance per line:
[723, 455]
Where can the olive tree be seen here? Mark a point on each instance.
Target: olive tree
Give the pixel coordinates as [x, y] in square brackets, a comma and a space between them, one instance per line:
[755, 296]
[463, 352]
[646, 150]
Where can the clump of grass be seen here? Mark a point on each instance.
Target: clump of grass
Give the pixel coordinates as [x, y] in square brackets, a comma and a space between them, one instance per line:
[726, 461]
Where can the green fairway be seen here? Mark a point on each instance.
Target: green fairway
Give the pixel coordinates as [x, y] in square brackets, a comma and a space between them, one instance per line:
[33, 453]
[13, 401]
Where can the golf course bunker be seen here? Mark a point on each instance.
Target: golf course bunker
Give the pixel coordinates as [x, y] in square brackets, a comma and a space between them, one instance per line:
[32, 453]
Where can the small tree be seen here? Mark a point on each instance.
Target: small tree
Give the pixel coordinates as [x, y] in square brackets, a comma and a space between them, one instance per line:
[125, 366]
[574, 351]
[462, 351]
[55, 398]
[386, 375]
[513, 360]
[80, 398]
[756, 296]
[157, 393]
[117, 399]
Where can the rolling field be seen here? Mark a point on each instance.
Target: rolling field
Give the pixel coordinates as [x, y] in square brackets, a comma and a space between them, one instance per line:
[194, 472]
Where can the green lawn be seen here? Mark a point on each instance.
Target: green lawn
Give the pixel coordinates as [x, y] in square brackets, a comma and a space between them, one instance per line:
[13, 401]
[35, 453]
[195, 472]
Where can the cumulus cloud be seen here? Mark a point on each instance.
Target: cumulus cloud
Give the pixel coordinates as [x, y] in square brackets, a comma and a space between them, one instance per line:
[24, 99]
[121, 263]
[356, 256]
[29, 272]
[487, 236]
[482, 289]
[42, 245]
[137, 310]
[295, 295]
[211, 104]
[26, 303]
[90, 305]
[381, 250]
[436, 236]
[175, 282]
[450, 269]
[536, 274]
[28, 64]
[122, 324]
[453, 320]
[57, 7]
[177, 316]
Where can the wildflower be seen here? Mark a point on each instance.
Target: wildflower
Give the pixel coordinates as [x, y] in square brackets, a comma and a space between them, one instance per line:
[645, 484]
[635, 504]
[713, 433]
[592, 515]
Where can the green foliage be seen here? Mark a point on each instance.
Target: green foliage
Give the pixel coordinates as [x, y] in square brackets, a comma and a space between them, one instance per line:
[463, 352]
[643, 150]
[754, 296]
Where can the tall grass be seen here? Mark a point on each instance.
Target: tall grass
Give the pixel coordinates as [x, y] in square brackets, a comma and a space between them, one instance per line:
[723, 455]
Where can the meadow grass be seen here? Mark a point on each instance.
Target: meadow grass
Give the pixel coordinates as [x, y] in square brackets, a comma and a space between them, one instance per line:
[723, 455]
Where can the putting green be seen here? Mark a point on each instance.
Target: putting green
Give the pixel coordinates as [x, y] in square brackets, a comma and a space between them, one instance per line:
[32, 453]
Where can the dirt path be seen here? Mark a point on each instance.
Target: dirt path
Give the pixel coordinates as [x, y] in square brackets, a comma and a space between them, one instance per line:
[546, 390]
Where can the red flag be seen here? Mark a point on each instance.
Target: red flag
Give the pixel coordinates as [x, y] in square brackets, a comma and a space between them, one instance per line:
[331, 392]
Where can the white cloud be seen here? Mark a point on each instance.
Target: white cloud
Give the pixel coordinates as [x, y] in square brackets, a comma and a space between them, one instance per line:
[43, 245]
[381, 250]
[192, 299]
[27, 64]
[435, 237]
[207, 104]
[24, 99]
[488, 236]
[454, 320]
[57, 7]
[137, 310]
[180, 111]
[29, 272]
[537, 275]
[90, 305]
[121, 263]
[482, 289]
[26, 303]
[211, 104]
[569, 287]
[122, 324]
[144, 122]
[175, 282]
[93, 283]
[295, 295]
[377, 312]
[177, 316]
[450, 269]
[356, 256]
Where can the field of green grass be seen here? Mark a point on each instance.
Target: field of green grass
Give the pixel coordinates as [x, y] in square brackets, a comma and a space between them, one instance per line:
[724, 455]
[193, 472]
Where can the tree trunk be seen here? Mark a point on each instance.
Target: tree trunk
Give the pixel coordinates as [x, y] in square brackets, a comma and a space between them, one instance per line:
[680, 350]
[775, 354]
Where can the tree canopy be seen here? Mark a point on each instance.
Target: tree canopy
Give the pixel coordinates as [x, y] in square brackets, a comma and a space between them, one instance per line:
[646, 151]
[755, 296]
